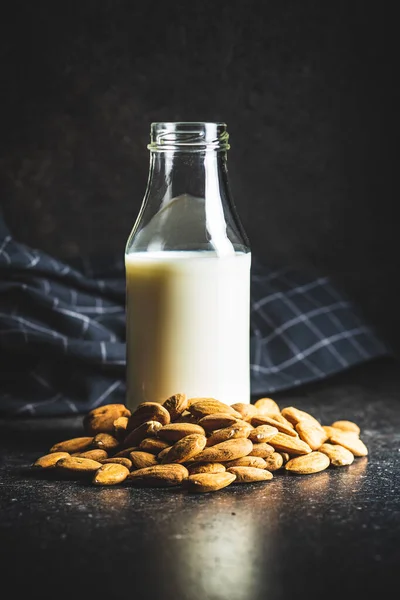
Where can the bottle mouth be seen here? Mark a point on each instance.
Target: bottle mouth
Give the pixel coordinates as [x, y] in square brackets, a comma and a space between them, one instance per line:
[188, 136]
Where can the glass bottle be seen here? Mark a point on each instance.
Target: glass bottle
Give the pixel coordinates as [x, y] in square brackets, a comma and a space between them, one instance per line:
[188, 265]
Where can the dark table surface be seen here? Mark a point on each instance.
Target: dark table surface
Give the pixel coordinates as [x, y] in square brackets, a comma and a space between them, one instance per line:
[335, 534]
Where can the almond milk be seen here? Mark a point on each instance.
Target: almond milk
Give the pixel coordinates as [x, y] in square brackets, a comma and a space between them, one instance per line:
[188, 326]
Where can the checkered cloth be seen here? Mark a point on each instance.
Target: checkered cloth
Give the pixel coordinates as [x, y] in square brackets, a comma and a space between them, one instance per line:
[62, 332]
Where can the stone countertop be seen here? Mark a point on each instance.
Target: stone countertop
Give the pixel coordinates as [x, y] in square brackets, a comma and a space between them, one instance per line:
[335, 534]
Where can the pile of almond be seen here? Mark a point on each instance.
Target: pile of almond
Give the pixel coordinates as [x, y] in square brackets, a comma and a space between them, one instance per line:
[201, 444]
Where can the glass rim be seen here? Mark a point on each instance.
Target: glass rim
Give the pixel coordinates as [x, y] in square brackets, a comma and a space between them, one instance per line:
[188, 136]
[174, 123]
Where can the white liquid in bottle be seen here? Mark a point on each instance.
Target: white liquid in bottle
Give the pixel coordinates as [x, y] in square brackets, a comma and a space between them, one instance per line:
[188, 326]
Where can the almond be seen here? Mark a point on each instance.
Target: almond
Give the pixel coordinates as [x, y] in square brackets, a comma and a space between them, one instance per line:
[176, 431]
[269, 420]
[338, 455]
[294, 415]
[119, 460]
[208, 482]
[79, 444]
[245, 424]
[348, 440]
[286, 443]
[274, 461]
[120, 426]
[216, 421]
[105, 441]
[186, 417]
[281, 419]
[96, 454]
[262, 450]
[148, 411]
[75, 463]
[266, 406]
[142, 459]
[347, 426]
[162, 455]
[285, 456]
[206, 468]
[176, 405]
[228, 433]
[186, 448]
[153, 445]
[249, 474]
[110, 474]
[125, 452]
[262, 433]
[309, 463]
[159, 476]
[314, 435]
[329, 430]
[247, 461]
[144, 430]
[48, 461]
[246, 410]
[224, 451]
[200, 407]
[101, 419]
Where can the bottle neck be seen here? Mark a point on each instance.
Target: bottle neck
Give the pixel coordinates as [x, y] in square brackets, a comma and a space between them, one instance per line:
[194, 176]
[197, 174]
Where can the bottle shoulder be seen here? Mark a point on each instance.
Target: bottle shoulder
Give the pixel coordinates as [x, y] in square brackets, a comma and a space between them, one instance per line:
[185, 223]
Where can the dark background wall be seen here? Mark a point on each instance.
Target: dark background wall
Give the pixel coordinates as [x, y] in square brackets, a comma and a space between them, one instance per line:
[307, 91]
